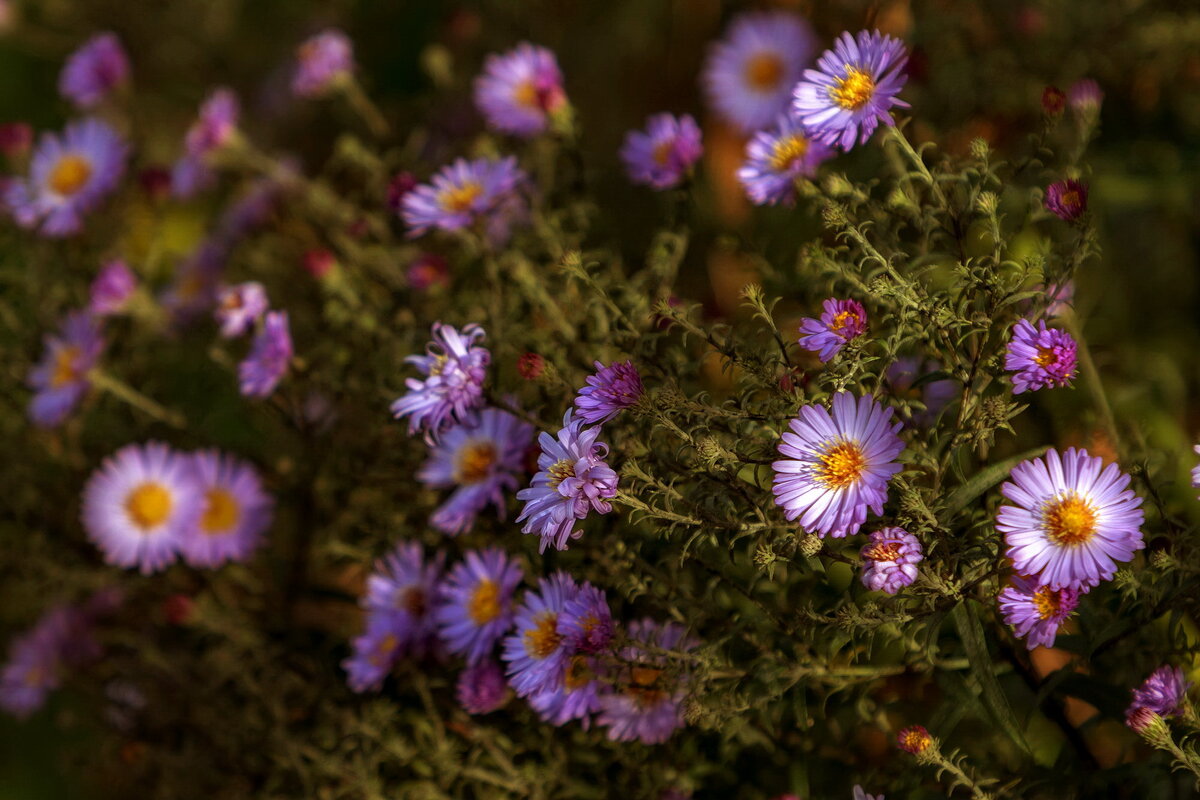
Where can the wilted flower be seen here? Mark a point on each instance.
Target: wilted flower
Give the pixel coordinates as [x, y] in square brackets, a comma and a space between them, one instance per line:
[452, 390]
[1036, 612]
[322, 63]
[60, 380]
[94, 70]
[112, 288]
[890, 560]
[609, 392]
[662, 155]
[269, 357]
[520, 90]
[1067, 199]
[240, 307]
[236, 511]
[465, 193]
[840, 322]
[474, 604]
[1039, 357]
[776, 159]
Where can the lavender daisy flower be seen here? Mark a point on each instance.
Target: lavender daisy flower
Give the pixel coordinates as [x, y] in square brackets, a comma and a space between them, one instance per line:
[60, 380]
[776, 159]
[836, 466]
[404, 587]
[474, 606]
[33, 670]
[141, 504]
[1164, 692]
[463, 194]
[373, 654]
[215, 127]
[1039, 357]
[662, 155]
[902, 377]
[520, 90]
[269, 356]
[1036, 612]
[851, 91]
[572, 480]
[649, 705]
[240, 307]
[890, 560]
[112, 289]
[749, 74]
[586, 622]
[840, 322]
[1069, 522]
[94, 70]
[68, 176]
[1066, 199]
[452, 390]
[481, 688]
[536, 652]
[607, 393]
[577, 697]
[236, 513]
[323, 62]
[482, 463]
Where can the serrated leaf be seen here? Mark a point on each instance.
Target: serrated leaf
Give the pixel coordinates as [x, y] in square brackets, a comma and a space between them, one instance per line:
[970, 632]
[985, 479]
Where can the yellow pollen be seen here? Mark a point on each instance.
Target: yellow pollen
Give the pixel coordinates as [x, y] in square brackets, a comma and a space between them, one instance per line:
[64, 367]
[844, 320]
[787, 152]
[484, 605]
[460, 198]
[578, 673]
[221, 512]
[642, 686]
[882, 551]
[439, 364]
[1045, 357]
[526, 94]
[387, 645]
[561, 470]
[763, 71]
[148, 505]
[853, 91]
[542, 639]
[1070, 198]
[662, 152]
[1048, 602]
[1069, 521]
[915, 740]
[841, 465]
[70, 174]
[475, 462]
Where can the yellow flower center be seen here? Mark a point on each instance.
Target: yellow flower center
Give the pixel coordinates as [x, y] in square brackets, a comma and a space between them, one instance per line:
[763, 71]
[844, 320]
[662, 152]
[882, 551]
[148, 505]
[475, 462]
[787, 152]
[642, 686]
[387, 646]
[64, 366]
[841, 465]
[561, 470]
[70, 174]
[1070, 198]
[1048, 602]
[1069, 521]
[853, 91]
[221, 512]
[439, 364]
[484, 605]
[542, 639]
[526, 94]
[460, 198]
[578, 674]
[915, 740]
[1045, 357]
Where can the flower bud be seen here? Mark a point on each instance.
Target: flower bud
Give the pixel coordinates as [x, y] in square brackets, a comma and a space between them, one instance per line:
[530, 366]
[1054, 100]
[914, 739]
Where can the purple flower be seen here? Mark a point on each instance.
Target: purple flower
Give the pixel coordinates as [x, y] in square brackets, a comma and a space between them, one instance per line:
[851, 91]
[572, 480]
[776, 159]
[662, 155]
[647, 706]
[237, 511]
[890, 560]
[840, 322]
[404, 587]
[577, 697]
[374, 654]
[836, 466]
[1036, 612]
[193, 290]
[474, 605]
[94, 70]
[1066, 199]
[1085, 97]
[452, 390]
[323, 62]
[586, 621]
[749, 74]
[481, 688]
[213, 129]
[465, 193]
[1039, 357]
[62, 637]
[269, 356]
[1164, 692]
[610, 391]
[60, 380]
[1069, 522]
[240, 307]
[520, 90]
[902, 377]
[112, 288]
[536, 652]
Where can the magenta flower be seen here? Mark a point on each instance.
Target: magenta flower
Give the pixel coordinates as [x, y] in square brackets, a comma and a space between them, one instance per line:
[1039, 357]
[662, 155]
[94, 70]
[269, 356]
[1066, 199]
[481, 688]
[452, 391]
[1164, 692]
[240, 307]
[609, 392]
[323, 62]
[215, 127]
[776, 159]
[1036, 613]
[112, 288]
[520, 90]
[840, 322]
[890, 560]
[60, 380]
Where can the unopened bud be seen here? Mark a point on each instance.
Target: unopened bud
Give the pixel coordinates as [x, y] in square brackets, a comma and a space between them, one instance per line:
[810, 545]
[980, 149]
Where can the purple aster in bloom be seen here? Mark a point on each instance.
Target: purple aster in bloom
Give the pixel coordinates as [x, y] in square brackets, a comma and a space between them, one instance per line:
[215, 127]
[836, 466]
[577, 697]
[662, 155]
[452, 391]
[776, 159]
[572, 480]
[1085, 97]
[236, 512]
[1066, 199]
[520, 90]
[193, 290]
[536, 652]
[852, 89]
[610, 391]
[903, 375]
[1036, 612]
[141, 504]
[586, 622]
[749, 74]
[95, 69]
[68, 176]
[240, 307]
[269, 356]
[840, 322]
[323, 62]
[373, 654]
[33, 670]
[112, 288]
[474, 605]
[404, 587]
[647, 706]
[464, 193]
[1071, 519]
[1039, 357]
[1164, 692]
[481, 688]
[890, 560]
[60, 380]
[483, 463]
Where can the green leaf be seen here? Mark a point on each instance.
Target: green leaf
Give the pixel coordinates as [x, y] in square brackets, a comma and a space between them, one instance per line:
[985, 479]
[970, 631]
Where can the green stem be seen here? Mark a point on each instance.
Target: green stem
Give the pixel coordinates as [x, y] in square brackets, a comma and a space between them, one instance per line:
[125, 392]
[1091, 378]
[367, 110]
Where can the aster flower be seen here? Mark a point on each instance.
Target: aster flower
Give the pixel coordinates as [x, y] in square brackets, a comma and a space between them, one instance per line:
[890, 560]
[452, 391]
[841, 321]
[482, 463]
[240, 307]
[1066, 199]
[141, 504]
[69, 175]
[1069, 522]
[33, 670]
[536, 652]
[519, 91]
[236, 513]
[776, 159]
[662, 155]
[60, 380]
[373, 654]
[474, 605]
[404, 587]
[1036, 613]
[572, 480]
[903, 374]
[269, 356]
[647, 706]
[607, 393]
[1039, 357]
[1085, 97]
[836, 466]
[463, 194]
[577, 697]
[914, 740]
[586, 621]
[193, 289]
[323, 62]
[112, 288]
[215, 127]
[481, 688]
[1164, 692]
[94, 70]
[852, 89]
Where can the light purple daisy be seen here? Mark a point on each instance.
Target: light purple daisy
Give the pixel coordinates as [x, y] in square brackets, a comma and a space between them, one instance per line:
[837, 466]
[776, 159]
[609, 392]
[903, 376]
[323, 62]
[840, 322]
[33, 670]
[481, 688]
[661, 156]
[112, 289]
[269, 356]
[573, 480]
[465, 193]
[586, 622]
[214, 128]
[576, 697]
[647, 705]
[374, 654]
[1164, 692]
[404, 586]
[890, 560]
[536, 653]
[482, 463]
[852, 89]
[141, 504]
[1071, 519]
[1039, 357]
[520, 90]
[474, 605]
[236, 513]
[98, 67]
[749, 74]
[454, 367]
[240, 307]
[1066, 199]
[69, 174]
[60, 380]
[1036, 613]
